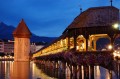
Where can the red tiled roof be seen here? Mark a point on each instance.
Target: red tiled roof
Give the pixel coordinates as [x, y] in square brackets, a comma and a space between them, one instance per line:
[22, 30]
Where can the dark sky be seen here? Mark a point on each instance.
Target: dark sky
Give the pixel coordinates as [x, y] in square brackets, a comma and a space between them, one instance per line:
[46, 17]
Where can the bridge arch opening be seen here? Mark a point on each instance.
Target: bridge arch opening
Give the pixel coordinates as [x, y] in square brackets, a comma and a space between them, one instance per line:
[102, 44]
[94, 41]
[81, 43]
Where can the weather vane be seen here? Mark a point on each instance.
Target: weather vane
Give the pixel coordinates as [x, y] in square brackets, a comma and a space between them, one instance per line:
[111, 2]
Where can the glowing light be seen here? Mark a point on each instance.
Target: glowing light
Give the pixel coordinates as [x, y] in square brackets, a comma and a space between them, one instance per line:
[110, 47]
[116, 25]
[116, 54]
[5, 56]
[77, 47]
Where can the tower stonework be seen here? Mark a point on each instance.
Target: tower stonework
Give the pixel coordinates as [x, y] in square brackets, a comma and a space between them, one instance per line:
[22, 42]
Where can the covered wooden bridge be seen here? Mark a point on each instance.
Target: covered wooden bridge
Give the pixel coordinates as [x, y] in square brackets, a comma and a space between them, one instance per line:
[81, 35]
[77, 45]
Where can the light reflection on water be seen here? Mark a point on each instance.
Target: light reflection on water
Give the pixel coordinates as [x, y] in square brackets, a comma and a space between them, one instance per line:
[20, 70]
[26, 70]
[37, 73]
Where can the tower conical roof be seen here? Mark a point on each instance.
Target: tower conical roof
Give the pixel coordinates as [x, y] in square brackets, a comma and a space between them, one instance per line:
[22, 31]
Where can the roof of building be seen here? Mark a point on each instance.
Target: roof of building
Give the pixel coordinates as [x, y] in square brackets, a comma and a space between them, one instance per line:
[22, 30]
[96, 16]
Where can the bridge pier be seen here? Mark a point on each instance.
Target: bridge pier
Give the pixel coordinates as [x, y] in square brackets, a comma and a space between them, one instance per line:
[86, 72]
[51, 69]
[92, 72]
[110, 73]
[61, 70]
[80, 71]
[56, 69]
[47, 64]
[118, 70]
[74, 72]
[70, 74]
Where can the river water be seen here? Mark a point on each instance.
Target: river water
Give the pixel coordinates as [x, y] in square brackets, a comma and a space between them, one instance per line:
[26, 70]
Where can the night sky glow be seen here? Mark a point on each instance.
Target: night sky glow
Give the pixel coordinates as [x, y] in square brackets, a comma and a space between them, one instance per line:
[46, 17]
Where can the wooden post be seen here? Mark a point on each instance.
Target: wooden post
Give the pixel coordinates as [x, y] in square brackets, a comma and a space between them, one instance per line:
[74, 71]
[112, 37]
[75, 39]
[22, 42]
[80, 72]
[86, 37]
[95, 44]
[68, 42]
[86, 72]
[92, 71]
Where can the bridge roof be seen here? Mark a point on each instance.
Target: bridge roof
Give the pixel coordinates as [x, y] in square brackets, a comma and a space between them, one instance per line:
[96, 16]
[22, 30]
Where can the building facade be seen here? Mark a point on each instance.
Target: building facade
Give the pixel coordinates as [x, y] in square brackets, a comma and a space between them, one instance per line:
[1, 46]
[6, 47]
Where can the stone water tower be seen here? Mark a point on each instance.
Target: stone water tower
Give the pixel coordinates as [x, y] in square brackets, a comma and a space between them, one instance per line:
[22, 42]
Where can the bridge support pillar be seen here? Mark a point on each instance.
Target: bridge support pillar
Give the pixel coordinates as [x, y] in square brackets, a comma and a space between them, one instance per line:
[80, 72]
[74, 72]
[54, 65]
[63, 67]
[61, 70]
[118, 70]
[86, 72]
[92, 72]
[70, 68]
[47, 64]
[110, 73]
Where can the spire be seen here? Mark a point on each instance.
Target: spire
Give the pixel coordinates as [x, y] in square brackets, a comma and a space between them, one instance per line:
[22, 30]
[111, 2]
[80, 9]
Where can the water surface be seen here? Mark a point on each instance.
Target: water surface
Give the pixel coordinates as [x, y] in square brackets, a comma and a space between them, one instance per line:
[26, 70]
